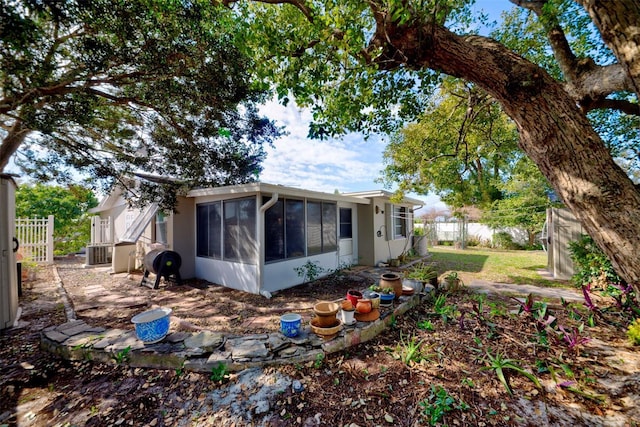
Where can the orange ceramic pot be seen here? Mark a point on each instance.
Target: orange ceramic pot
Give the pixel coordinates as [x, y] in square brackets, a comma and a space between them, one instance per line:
[364, 306]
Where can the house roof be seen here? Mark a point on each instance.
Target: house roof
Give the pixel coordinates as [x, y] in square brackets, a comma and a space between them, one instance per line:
[111, 200]
[385, 195]
[261, 187]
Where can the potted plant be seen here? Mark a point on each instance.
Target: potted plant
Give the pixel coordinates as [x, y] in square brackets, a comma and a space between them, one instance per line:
[452, 281]
[424, 273]
[386, 296]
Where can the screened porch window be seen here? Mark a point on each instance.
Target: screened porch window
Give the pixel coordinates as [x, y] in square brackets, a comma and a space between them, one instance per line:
[284, 230]
[240, 230]
[209, 230]
[227, 230]
[322, 227]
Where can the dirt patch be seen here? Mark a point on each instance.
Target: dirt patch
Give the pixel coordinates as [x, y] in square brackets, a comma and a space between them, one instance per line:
[431, 367]
[108, 300]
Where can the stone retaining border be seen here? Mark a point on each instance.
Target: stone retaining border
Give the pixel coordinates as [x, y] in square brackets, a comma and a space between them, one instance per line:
[205, 350]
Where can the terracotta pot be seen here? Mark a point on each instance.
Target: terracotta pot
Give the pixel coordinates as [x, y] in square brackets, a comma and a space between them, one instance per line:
[326, 313]
[347, 305]
[391, 280]
[364, 306]
[326, 332]
[354, 296]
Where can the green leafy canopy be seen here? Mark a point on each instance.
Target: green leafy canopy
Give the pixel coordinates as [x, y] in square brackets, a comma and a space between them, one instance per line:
[110, 87]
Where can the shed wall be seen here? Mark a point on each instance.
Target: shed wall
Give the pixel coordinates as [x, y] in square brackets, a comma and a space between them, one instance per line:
[563, 228]
[8, 266]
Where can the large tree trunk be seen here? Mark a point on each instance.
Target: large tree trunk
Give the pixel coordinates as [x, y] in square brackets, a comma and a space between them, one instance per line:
[554, 133]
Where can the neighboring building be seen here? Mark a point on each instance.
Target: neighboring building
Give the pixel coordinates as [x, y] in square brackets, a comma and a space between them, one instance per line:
[253, 237]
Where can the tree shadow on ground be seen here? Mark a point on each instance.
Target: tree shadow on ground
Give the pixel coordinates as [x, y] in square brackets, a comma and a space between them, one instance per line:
[459, 261]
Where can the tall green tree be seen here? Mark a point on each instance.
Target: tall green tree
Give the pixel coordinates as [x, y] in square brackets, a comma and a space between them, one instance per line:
[526, 195]
[461, 148]
[367, 65]
[115, 87]
[69, 206]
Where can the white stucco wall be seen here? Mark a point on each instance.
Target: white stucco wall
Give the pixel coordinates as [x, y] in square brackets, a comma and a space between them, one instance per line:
[243, 277]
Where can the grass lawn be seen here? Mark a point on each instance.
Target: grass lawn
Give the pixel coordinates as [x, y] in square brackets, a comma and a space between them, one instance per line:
[519, 267]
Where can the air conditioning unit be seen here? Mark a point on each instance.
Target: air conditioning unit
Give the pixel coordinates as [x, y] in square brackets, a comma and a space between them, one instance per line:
[99, 255]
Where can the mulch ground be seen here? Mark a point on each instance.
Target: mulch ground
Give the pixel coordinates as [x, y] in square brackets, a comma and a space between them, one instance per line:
[432, 368]
[108, 300]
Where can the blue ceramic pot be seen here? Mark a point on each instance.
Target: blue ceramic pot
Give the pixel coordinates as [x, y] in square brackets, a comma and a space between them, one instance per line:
[290, 324]
[152, 325]
[386, 299]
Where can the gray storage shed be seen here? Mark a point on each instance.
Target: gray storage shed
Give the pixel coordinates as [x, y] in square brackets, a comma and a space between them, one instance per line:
[8, 247]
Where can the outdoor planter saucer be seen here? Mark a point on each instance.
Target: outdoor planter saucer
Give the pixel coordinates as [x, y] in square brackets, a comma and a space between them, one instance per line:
[368, 317]
[407, 290]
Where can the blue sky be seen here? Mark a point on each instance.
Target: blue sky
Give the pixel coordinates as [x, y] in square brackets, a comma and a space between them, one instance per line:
[346, 164]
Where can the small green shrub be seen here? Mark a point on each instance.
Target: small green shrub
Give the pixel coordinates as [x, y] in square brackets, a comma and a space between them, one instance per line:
[504, 240]
[410, 351]
[309, 271]
[473, 241]
[591, 264]
[426, 325]
[122, 356]
[219, 372]
[439, 403]
[422, 272]
[633, 332]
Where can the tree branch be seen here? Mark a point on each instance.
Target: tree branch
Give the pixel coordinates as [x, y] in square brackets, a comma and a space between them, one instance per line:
[616, 104]
[586, 81]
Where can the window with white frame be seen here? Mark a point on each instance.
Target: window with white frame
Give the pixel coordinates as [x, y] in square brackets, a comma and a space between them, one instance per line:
[397, 221]
[346, 223]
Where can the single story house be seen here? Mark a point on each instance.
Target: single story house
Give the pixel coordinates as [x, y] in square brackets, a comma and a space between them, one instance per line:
[257, 237]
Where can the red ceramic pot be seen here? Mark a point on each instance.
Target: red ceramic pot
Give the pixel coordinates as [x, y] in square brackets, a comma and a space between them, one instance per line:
[354, 296]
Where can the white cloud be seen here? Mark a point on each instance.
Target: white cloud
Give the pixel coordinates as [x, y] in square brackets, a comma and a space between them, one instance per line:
[346, 164]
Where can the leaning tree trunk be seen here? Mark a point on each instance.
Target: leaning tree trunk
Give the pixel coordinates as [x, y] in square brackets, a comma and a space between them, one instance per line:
[554, 133]
[11, 142]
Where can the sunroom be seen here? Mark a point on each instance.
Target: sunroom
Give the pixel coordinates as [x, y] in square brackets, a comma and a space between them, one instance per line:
[258, 237]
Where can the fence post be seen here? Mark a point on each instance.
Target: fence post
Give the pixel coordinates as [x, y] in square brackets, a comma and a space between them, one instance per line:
[50, 239]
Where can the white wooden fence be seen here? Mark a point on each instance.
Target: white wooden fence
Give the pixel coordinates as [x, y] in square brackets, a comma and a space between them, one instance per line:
[35, 237]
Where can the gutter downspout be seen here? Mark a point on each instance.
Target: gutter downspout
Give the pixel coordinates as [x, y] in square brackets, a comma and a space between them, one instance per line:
[263, 209]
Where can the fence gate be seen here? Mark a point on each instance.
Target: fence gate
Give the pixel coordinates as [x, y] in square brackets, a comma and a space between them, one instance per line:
[35, 236]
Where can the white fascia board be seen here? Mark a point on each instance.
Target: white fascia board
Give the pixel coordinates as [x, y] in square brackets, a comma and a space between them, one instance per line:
[385, 195]
[283, 191]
